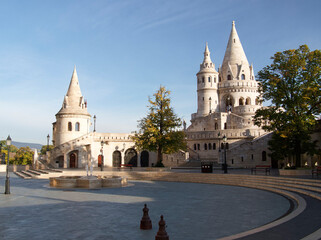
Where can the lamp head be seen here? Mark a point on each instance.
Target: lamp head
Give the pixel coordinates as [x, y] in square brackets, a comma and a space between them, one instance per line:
[224, 139]
[102, 143]
[94, 117]
[8, 140]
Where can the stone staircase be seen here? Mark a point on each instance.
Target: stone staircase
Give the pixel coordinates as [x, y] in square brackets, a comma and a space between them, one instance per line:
[39, 173]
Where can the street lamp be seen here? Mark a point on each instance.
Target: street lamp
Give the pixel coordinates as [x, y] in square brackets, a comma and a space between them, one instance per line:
[94, 123]
[102, 156]
[7, 186]
[48, 138]
[225, 144]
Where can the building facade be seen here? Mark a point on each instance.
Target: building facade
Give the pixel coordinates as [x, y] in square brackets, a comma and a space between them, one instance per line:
[76, 146]
[227, 99]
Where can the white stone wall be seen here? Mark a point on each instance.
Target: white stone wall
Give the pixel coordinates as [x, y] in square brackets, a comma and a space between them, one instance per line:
[61, 132]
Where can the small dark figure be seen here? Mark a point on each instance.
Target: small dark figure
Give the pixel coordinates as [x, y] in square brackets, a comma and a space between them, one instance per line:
[145, 223]
[162, 234]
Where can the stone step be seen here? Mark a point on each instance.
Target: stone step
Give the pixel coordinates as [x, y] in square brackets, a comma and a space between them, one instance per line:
[42, 171]
[30, 174]
[22, 175]
[33, 172]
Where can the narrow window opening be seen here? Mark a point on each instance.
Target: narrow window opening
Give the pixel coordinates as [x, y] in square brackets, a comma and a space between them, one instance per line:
[77, 127]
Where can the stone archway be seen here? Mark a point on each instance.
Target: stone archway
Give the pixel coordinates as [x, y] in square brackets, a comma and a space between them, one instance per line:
[144, 159]
[116, 159]
[73, 160]
[131, 157]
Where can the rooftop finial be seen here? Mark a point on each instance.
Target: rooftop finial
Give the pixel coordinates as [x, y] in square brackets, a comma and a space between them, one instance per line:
[206, 47]
[233, 23]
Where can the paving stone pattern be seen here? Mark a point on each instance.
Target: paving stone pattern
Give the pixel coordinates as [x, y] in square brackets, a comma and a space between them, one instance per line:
[191, 210]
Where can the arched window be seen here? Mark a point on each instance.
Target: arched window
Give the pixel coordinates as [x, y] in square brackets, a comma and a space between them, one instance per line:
[222, 145]
[248, 101]
[214, 146]
[209, 146]
[69, 126]
[216, 126]
[243, 77]
[229, 77]
[225, 126]
[195, 146]
[205, 146]
[198, 147]
[209, 79]
[203, 79]
[264, 156]
[77, 127]
[215, 79]
[241, 101]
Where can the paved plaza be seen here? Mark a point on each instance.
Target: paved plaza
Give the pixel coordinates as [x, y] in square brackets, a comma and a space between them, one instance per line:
[33, 210]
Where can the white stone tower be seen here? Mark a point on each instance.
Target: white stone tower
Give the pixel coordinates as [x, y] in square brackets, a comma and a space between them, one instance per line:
[73, 120]
[207, 84]
[237, 88]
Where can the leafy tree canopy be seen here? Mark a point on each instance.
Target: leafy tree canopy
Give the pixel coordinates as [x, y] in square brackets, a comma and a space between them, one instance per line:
[24, 156]
[160, 130]
[293, 85]
[44, 149]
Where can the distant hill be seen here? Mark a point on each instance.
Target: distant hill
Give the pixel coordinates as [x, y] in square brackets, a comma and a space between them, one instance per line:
[31, 145]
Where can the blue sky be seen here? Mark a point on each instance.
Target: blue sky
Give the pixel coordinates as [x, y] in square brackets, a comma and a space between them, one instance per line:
[125, 49]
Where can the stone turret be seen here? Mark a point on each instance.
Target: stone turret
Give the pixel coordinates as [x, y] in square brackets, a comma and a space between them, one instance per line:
[207, 80]
[237, 87]
[73, 119]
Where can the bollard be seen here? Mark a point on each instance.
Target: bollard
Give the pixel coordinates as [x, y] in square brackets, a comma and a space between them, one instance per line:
[145, 223]
[162, 234]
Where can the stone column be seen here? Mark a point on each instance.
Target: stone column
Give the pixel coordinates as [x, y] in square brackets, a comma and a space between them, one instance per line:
[138, 159]
[65, 160]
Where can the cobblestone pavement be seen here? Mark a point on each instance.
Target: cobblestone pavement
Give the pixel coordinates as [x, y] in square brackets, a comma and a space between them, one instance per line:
[191, 211]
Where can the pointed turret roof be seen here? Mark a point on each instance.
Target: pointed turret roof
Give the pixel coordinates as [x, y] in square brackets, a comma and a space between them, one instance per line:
[74, 102]
[74, 89]
[207, 64]
[234, 53]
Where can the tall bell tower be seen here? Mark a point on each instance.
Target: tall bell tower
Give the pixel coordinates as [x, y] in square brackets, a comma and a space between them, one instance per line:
[73, 119]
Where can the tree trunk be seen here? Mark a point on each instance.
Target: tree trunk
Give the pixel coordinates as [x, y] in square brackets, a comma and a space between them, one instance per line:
[159, 156]
[298, 153]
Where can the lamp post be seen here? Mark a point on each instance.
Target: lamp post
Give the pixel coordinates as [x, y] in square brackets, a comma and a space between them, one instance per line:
[219, 146]
[225, 143]
[0, 151]
[94, 123]
[48, 138]
[7, 186]
[102, 156]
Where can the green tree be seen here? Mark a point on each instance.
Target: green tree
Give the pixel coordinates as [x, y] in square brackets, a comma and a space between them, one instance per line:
[24, 156]
[160, 130]
[293, 85]
[44, 149]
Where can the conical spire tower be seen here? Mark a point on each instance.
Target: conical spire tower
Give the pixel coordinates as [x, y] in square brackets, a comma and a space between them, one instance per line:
[207, 64]
[207, 80]
[73, 119]
[234, 53]
[74, 101]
